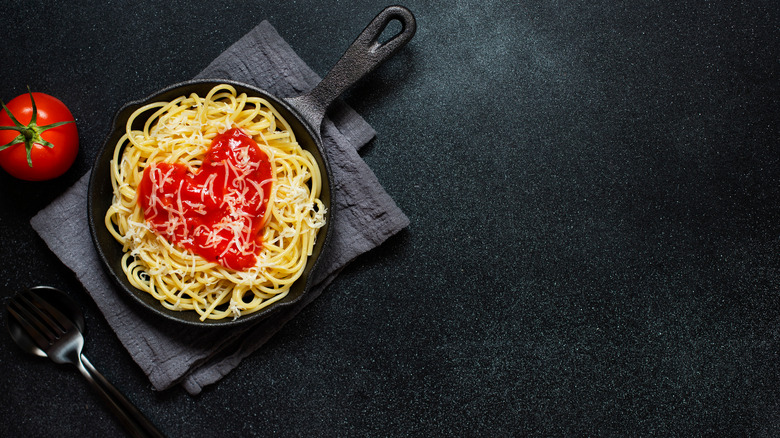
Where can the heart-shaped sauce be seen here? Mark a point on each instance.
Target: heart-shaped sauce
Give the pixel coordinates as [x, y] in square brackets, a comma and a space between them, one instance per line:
[219, 211]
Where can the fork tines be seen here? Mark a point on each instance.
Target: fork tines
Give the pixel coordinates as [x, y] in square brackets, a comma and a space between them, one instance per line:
[39, 318]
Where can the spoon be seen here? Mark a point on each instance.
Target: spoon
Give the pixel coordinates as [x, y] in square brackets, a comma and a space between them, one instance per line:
[46, 322]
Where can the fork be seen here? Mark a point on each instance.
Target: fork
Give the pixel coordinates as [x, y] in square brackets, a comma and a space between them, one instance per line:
[46, 331]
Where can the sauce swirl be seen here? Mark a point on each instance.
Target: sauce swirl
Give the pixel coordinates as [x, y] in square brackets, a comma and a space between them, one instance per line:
[217, 212]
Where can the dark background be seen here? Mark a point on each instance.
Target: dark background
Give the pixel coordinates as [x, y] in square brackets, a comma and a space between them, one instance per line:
[595, 221]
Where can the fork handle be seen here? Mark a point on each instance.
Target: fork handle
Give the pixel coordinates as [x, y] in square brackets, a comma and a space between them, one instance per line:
[136, 424]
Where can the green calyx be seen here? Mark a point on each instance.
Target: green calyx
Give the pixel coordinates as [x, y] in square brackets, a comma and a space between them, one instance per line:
[30, 134]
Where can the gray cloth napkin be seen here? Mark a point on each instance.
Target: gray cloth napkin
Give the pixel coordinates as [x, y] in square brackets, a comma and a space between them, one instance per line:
[363, 215]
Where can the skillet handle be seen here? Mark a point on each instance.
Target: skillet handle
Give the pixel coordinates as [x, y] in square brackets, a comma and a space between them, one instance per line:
[362, 57]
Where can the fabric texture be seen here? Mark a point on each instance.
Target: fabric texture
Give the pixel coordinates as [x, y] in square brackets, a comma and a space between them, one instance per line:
[362, 213]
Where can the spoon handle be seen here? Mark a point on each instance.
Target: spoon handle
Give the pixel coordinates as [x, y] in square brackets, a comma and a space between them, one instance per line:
[136, 424]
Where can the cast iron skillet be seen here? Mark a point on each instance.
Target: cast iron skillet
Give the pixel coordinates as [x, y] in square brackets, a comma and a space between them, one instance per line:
[304, 113]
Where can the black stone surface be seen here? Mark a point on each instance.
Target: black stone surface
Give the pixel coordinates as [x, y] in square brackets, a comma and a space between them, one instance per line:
[595, 221]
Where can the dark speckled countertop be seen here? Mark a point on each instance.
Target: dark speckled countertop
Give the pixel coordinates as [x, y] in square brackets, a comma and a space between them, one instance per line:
[594, 248]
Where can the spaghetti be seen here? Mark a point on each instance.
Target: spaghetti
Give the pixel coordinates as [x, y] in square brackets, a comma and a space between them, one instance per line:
[273, 239]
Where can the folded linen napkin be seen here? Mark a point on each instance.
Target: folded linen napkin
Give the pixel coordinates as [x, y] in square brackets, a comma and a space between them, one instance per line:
[363, 215]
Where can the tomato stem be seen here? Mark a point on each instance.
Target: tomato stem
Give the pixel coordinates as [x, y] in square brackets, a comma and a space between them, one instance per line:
[30, 134]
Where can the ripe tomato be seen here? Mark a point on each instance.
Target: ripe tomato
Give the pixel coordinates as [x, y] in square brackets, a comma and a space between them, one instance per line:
[38, 137]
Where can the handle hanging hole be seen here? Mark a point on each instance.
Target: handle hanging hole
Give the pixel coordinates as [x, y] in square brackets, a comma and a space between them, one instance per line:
[393, 29]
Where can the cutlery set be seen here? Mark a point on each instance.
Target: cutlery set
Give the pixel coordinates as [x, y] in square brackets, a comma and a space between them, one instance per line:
[46, 322]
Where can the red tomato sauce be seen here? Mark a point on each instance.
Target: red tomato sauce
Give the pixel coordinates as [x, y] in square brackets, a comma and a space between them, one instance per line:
[217, 212]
